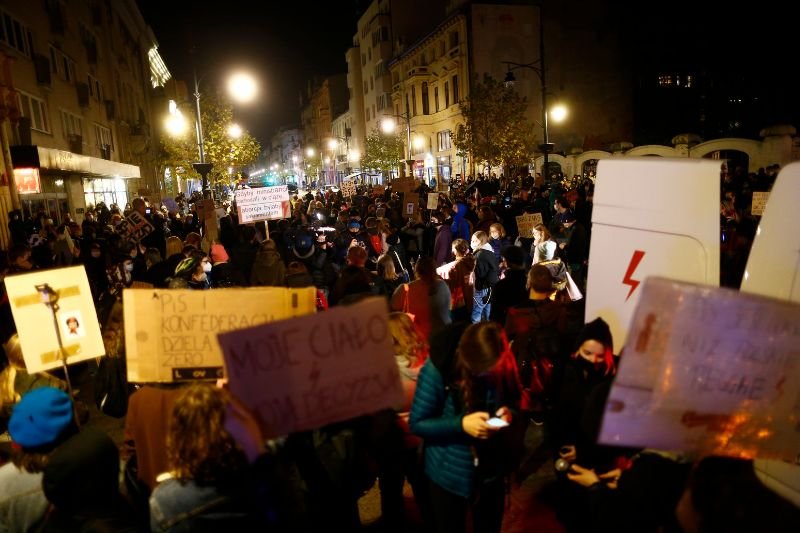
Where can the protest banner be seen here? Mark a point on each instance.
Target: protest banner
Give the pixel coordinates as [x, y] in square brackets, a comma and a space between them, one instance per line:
[76, 318]
[135, 227]
[171, 335]
[709, 371]
[760, 199]
[348, 188]
[526, 223]
[263, 203]
[681, 243]
[307, 372]
[433, 201]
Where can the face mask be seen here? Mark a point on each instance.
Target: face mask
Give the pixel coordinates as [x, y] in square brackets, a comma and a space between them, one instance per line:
[593, 370]
[475, 246]
[96, 254]
[129, 267]
[206, 267]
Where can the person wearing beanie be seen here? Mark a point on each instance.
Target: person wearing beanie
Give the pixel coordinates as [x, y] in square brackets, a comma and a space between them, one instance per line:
[223, 273]
[41, 421]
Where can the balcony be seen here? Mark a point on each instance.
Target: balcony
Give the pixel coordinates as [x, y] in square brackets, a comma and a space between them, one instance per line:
[417, 71]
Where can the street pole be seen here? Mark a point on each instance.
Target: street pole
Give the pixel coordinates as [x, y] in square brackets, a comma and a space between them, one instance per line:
[408, 146]
[202, 167]
[542, 78]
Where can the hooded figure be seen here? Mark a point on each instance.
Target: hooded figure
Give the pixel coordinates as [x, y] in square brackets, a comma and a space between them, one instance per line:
[460, 228]
[268, 268]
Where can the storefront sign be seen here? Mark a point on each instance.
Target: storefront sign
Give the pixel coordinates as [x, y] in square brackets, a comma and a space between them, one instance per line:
[27, 180]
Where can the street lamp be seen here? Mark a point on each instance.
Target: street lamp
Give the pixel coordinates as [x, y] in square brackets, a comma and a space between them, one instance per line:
[538, 67]
[388, 126]
[242, 87]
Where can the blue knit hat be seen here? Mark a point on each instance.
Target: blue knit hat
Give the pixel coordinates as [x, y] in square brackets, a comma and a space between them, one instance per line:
[40, 418]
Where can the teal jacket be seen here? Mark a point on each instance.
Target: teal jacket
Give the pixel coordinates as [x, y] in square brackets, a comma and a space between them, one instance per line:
[448, 456]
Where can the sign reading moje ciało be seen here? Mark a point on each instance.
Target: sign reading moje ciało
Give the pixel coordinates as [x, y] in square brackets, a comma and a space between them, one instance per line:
[307, 372]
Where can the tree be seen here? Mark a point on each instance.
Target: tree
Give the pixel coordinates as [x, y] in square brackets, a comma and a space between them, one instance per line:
[221, 150]
[496, 129]
[383, 151]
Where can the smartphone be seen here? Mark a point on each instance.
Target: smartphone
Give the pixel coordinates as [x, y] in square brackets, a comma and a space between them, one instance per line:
[147, 211]
[497, 422]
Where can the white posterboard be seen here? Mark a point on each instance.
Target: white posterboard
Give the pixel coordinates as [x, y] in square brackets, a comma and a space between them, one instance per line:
[526, 223]
[709, 371]
[263, 203]
[651, 217]
[171, 334]
[760, 199]
[307, 372]
[773, 266]
[76, 318]
[433, 201]
[348, 188]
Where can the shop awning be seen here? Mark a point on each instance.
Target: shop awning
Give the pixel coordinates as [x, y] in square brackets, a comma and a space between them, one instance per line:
[29, 156]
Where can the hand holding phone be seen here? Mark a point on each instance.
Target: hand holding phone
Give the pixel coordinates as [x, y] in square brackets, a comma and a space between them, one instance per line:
[496, 422]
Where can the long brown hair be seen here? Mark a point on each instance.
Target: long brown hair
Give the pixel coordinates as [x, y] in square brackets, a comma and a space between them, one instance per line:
[198, 446]
[484, 349]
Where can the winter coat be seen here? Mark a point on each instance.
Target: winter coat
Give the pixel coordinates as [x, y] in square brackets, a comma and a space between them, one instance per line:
[268, 270]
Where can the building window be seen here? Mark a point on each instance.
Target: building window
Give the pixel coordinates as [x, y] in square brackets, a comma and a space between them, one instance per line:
[15, 34]
[366, 112]
[36, 110]
[73, 124]
[453, 39]
[445, 143]
[366, 87]
[62, 64]
[446, 95]
[371, 82]
[426, 108]
[665, 81]
[103, 137]
[455, 89]
[413, 101]
[384, 34]
[95, 89]
[436, 98]
[363, 59]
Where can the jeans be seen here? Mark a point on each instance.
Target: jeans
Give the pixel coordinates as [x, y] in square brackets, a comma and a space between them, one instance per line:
[480, 310]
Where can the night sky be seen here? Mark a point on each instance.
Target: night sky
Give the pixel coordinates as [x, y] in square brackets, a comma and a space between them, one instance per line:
[284, 43]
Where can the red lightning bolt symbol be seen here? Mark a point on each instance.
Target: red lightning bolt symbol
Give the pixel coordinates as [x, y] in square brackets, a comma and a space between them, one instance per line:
[635, 260]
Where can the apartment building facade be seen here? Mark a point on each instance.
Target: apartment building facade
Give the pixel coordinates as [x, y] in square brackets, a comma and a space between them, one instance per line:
[83, 74]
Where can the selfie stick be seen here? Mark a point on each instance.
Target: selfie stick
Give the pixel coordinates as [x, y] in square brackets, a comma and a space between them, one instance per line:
[50, 299]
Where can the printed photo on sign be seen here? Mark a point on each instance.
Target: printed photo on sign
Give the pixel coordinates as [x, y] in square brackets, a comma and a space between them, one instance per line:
[410, 208]
[72, 324]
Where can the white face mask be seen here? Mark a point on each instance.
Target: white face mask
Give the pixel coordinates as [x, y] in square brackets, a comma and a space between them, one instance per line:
[475, 245]
[129, 267]
[207, 267]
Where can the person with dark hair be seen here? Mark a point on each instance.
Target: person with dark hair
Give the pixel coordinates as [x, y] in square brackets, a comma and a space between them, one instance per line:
[268, 268]
[487, 274]
[427, 298]
[459, 280]
[463, 400]
[510, 290]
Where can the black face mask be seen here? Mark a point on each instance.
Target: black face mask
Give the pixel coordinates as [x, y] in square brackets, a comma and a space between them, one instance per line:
[593, 371]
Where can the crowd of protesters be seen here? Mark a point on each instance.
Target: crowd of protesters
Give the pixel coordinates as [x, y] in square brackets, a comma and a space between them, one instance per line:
[489, 338]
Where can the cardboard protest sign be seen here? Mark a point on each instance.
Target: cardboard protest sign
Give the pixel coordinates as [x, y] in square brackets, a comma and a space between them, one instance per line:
[760, 199]
[171, 335]
[76, 318]
[405, 184]
[526, 223]
[710, 371]
[307, 372]
[433, 200]
[410, 205]
[675, 237]
[348, 188]
[135, 227]
[263, 203]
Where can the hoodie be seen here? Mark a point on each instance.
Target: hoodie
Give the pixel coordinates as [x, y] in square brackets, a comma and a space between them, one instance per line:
[487, 269]
[460, 229]
[268, 269]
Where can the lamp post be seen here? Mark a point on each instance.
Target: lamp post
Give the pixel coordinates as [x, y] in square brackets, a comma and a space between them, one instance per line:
[243, 88]
[388, 127]
[538, 67]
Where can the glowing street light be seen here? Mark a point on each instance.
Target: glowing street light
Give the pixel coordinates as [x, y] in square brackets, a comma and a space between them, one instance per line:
[242, 86]
[558, 112]
[234, 131]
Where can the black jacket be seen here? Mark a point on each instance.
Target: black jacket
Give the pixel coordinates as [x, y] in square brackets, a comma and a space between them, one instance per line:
[487, 271]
